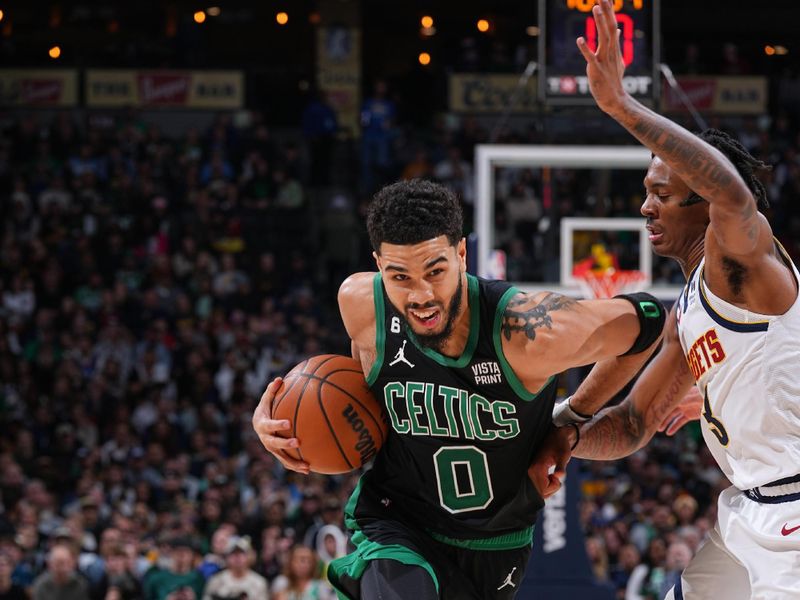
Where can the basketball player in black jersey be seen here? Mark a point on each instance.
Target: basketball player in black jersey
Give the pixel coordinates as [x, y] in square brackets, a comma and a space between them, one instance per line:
[466, 370]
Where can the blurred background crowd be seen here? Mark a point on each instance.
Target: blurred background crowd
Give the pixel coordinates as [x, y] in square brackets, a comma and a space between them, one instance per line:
[154, 278]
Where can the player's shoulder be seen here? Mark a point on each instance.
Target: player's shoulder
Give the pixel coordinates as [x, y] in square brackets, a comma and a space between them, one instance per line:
[357, 287]
[356, 302]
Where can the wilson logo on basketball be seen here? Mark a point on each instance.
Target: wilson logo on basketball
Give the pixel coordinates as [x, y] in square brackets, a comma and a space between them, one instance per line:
[366, 444]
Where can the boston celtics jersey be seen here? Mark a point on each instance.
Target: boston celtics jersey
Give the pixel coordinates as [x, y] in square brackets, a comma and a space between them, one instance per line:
[746, 367]
[462, 430]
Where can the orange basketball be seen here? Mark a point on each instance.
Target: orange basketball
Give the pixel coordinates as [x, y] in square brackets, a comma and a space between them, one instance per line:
[333, 414]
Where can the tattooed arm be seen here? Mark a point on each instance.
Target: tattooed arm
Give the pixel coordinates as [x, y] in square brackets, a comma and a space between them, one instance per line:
[621, 430]
[607, 378]
[736, 224]
[546, 333]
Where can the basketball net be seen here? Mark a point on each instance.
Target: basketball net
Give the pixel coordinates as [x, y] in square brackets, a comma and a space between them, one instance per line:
[608, 283]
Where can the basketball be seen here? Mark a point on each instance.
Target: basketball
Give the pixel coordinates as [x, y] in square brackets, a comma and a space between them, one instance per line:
[333, 414]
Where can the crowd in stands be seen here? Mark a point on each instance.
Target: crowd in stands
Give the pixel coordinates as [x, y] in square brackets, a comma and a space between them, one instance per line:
[151, 286]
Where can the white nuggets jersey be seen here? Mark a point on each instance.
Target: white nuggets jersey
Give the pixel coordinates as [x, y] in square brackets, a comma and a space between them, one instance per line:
[747, 366]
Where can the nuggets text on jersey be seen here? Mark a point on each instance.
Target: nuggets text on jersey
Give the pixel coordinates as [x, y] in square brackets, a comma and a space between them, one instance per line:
[705, 353]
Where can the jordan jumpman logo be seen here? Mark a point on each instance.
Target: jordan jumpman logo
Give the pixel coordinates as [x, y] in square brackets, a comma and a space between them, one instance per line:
[507, 580]
[401, 356]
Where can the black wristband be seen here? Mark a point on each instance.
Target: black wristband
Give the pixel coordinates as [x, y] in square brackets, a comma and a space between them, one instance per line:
[577, 433]
[652, 317]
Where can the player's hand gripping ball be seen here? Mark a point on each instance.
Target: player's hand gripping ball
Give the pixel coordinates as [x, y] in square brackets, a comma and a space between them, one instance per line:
[332, 412]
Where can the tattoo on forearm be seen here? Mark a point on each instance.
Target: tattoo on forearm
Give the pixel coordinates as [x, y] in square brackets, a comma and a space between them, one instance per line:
[616, 432]
[520, 315]
[701, 168]
[621, 430]
[696, 160]
[658, 411]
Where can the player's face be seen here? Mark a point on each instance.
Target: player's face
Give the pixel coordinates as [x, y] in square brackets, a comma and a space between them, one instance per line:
[674, 224]
[424, 282]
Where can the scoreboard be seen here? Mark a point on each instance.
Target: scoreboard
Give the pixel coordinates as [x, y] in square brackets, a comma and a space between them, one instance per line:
[562, 77]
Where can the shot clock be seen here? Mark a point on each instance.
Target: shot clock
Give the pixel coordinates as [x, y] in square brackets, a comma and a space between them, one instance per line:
[562, 67]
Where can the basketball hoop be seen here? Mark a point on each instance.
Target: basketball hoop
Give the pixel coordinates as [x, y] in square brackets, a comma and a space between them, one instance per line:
[609, 283]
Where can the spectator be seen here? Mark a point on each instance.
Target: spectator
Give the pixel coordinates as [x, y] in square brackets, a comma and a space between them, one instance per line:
[456, 173]
[275, 544]
[8, 589]
[732, 63]
[177, 578]
[419, 167]
[230, 278]
[692, 64]
[598, 557]
[289, 194]
[685, 509]
[678, 556]
[214, 561]
[238, 581]
[378, 114]
[331, 544]
[330, 517]
[61, 581]
[118, 582]
[320, 127]
[20, 301]
[94, 566]
[628, 561]
[55, 197]
[301, 578]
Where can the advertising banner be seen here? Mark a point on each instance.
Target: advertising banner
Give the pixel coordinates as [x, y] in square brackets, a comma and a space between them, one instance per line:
[480, 92]
[38, 87]
[723, 95]
[164, 88]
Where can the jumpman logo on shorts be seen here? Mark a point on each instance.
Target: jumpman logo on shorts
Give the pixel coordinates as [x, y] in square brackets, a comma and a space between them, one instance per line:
[507, 581]
[401, 356]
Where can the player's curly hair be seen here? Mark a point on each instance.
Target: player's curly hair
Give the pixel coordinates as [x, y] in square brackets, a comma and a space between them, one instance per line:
[747, 164]
[410, 212]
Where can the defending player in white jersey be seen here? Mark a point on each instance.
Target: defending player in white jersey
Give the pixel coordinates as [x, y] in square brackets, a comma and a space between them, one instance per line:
[734, 331]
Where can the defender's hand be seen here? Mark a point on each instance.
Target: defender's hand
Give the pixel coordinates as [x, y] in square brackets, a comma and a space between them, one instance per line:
[604, 66]
[549, 466]
[266, 427]
[689, 409]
